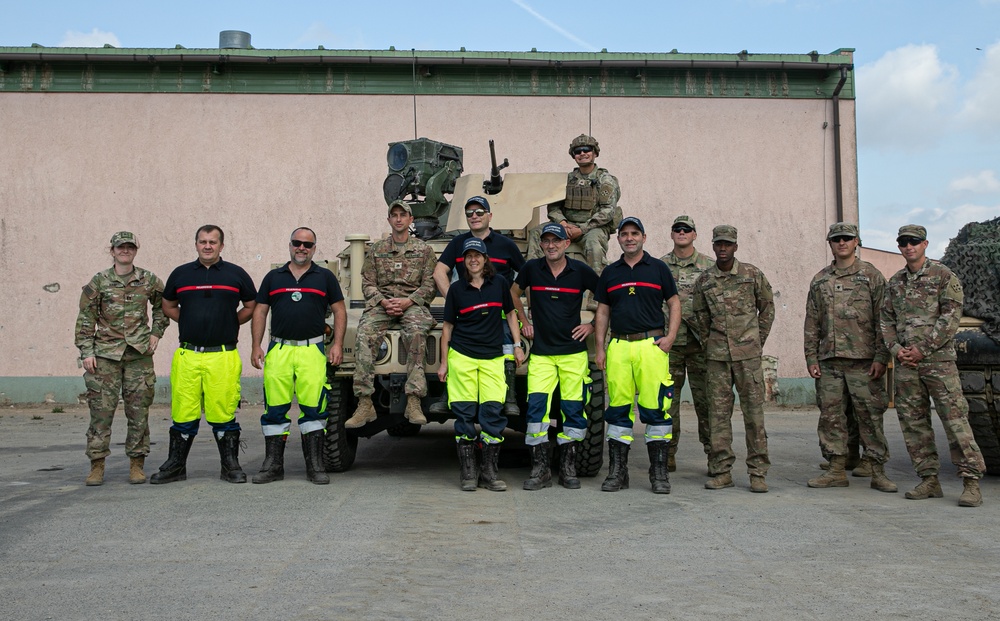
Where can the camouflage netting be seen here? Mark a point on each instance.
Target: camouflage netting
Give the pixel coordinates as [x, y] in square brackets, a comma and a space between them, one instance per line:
[974, 256]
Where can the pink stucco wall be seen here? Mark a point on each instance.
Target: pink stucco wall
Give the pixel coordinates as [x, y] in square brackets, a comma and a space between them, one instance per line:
[77, 167]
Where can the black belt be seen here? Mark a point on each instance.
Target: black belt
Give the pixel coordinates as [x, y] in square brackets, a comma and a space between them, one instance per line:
[208, 350]
[638, 336]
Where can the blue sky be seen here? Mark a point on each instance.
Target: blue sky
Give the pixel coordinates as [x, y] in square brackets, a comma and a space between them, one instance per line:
[928, 72]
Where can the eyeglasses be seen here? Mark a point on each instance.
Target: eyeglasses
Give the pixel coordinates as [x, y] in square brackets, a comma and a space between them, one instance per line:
[579, 150]
[475, 212]
[908, 241]
[550, 241]
[841, 238]
[682, 229]
[304, 244]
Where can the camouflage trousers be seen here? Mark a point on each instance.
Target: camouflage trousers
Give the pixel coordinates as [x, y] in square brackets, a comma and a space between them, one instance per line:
[748, 377]
[914, 390]
[594, 242]
[844, 385]
[414, 325]
[131, 379]
[689, 361]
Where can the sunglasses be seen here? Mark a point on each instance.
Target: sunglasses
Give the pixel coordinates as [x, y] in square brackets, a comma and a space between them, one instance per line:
[908, 241]
[841, 238]
[579, 150]
[475, 212]
[682, 229]
[304, 244]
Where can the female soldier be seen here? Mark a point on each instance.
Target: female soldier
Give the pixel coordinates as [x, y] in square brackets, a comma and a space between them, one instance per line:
[472, 350]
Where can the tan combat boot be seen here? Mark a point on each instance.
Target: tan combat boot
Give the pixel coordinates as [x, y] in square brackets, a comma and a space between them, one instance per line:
[720, 481]
[135, 473]
[96, 476]
[971, 496]
[930, 487]
[757, 485]
[836, 476]
[879, 481]
[363, 415]
[414, 413]
[864, 469]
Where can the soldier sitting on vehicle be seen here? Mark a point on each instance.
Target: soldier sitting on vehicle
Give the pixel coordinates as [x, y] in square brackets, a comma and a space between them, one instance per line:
[398, 285]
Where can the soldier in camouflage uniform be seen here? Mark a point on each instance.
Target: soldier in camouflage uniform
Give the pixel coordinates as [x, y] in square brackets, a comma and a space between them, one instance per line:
[398, 285]
[116, 346]
[590, 213]
[733, 313]
[923, 306]
[687, 356]
[847, 357]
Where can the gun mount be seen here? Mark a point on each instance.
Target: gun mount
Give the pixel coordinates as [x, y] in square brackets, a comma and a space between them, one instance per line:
[421, 172]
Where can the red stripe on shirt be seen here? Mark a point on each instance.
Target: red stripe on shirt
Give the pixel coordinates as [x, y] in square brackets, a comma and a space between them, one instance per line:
[492, 260]
[479, 307]
[635, 284]
[300, 289]
[201, 287]
[554, 289]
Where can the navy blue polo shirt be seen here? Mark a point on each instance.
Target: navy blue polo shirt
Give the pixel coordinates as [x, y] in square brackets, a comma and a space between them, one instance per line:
[299, 307]
[504, 254]
[556, 303]
[636, 294]
[209, 299]
[477, 317]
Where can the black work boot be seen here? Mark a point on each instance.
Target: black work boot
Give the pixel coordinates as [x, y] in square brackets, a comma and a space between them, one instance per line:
[469, 473]
[440, 407]
[489, 477]
[567, 466]
[659, 475]
[510, 407]
[175, 468]
[541, 476]
[273, 468]
[229, 453]
[312, 451]
[617, 467]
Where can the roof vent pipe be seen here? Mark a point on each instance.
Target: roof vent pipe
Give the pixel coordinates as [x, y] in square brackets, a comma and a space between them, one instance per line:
[234, 40]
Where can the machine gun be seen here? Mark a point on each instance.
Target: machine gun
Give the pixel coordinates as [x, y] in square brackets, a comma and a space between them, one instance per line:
[495, 183]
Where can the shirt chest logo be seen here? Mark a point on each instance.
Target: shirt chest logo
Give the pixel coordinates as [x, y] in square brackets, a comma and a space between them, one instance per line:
[631, 290]
[296, 296]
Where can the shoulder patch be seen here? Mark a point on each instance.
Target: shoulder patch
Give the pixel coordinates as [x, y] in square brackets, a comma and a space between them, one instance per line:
[89, 291]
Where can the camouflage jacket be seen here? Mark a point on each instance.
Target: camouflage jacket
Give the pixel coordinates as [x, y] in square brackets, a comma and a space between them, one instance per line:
[591, 200]
[399, 271]
[733, 312]
[686, 272]
[842, 314]
[114, 313]
[923, 310]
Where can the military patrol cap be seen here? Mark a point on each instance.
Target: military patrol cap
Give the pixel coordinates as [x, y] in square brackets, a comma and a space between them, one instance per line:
[402, 204]
[912, 230]
[842, 229]
[632, 220]
[554, 228]
[478, 200]
[124, 237]
[686, 221]
[474, 243]
[583, 140]
[724, 232]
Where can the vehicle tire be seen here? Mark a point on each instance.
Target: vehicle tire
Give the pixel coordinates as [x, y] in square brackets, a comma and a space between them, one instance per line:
[340, 447]
[986, 428]
[403, 430]
[590, 455]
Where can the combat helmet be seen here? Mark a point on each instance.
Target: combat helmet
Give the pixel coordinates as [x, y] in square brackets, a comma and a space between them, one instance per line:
[583, 140]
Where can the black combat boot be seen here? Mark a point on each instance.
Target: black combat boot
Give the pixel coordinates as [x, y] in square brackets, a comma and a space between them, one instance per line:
[617, 467]
[440, 407]
[541, 475]
[312, 451]
[273, 468]
[510, 407]
[467, 465]
[567, 466]
[489, 477]
[229, 455]
[659, 473]
[175, 468]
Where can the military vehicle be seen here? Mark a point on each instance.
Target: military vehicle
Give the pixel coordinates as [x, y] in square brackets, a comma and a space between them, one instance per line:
[974, 256]
[424, 172]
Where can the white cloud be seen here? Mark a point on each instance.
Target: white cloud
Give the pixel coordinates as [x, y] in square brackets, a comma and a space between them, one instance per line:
[94, 38]
[944, 223]
[983, 95]
[983, 182]
[905, 99]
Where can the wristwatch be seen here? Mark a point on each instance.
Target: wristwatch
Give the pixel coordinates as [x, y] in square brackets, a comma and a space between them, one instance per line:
[519, 344]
